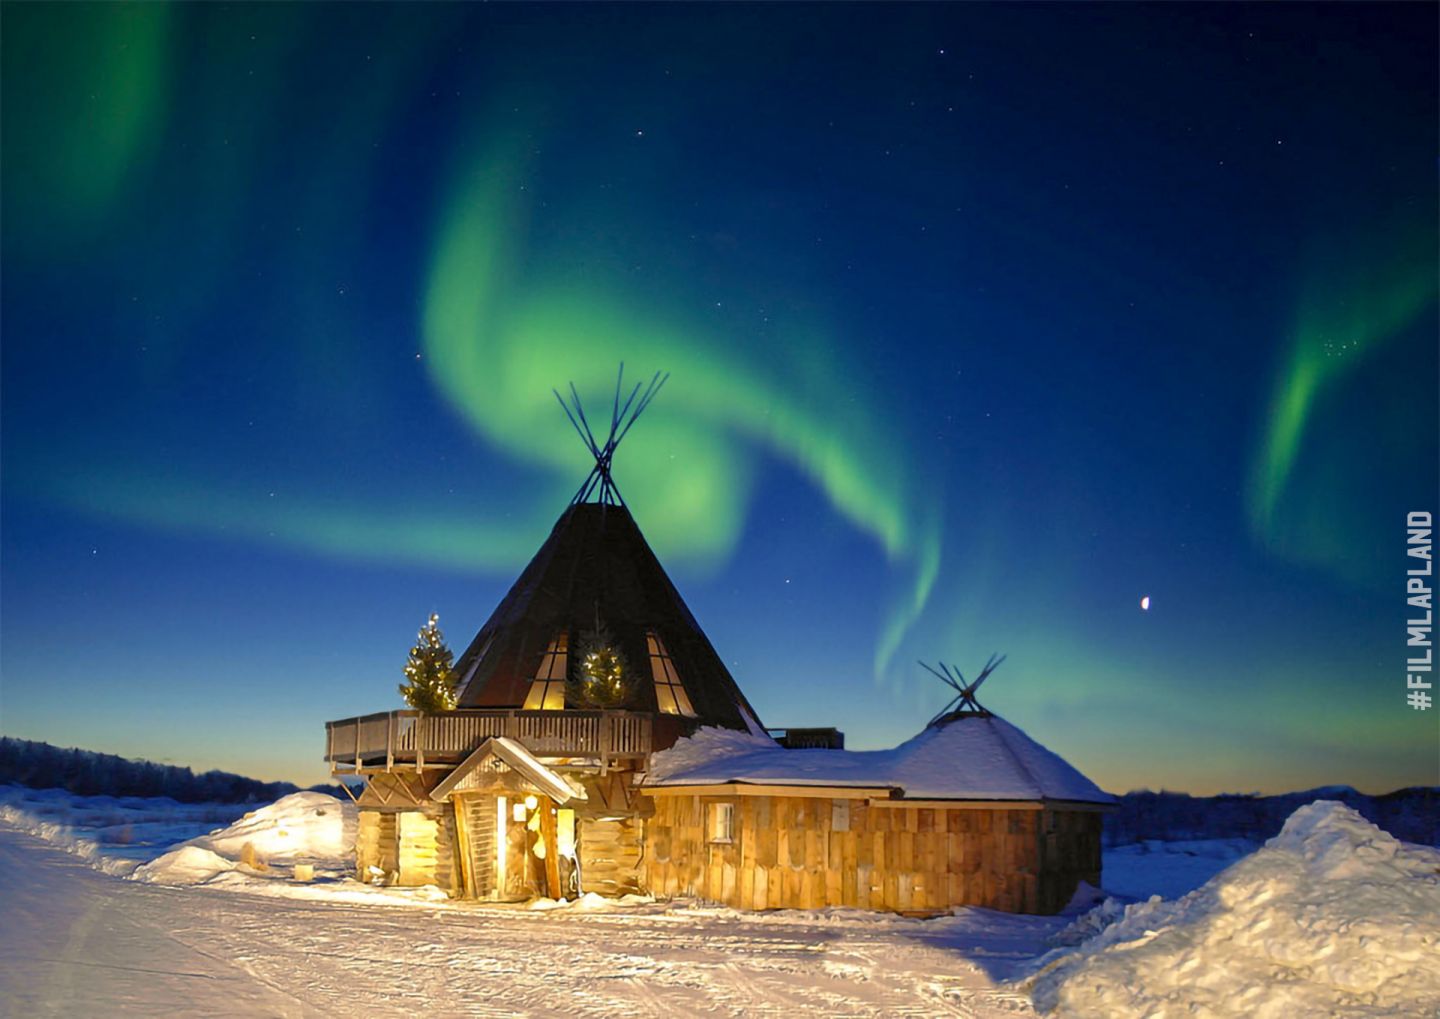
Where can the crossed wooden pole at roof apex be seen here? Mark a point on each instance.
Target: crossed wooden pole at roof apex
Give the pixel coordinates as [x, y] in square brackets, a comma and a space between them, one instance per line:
[622, 419]
[964, 699]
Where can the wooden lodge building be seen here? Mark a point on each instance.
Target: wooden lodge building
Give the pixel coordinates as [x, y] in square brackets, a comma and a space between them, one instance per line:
[601, 745]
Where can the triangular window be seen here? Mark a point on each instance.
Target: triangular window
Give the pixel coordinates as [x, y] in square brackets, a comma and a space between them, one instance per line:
[547, 692]
[669, 692]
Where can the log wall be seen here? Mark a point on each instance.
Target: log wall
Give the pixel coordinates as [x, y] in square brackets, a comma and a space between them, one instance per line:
[376, 846]
[812, 852]
[410, 847]
[609, 856]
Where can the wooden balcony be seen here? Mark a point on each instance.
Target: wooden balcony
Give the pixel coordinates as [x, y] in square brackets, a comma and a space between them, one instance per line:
[409, 740]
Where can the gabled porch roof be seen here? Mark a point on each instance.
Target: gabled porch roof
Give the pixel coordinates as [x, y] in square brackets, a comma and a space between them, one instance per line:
[513, 754]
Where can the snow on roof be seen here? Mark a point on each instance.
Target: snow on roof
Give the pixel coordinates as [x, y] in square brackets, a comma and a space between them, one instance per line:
[973, 757]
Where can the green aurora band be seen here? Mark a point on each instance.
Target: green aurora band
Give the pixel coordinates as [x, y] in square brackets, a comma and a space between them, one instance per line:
[1342, 320]
[496, 346]
[495, 343]
[92, 123]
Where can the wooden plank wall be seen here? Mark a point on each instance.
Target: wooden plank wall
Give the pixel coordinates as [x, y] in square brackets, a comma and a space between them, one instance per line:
[787, 854]
[609, 856]
[1069, 854]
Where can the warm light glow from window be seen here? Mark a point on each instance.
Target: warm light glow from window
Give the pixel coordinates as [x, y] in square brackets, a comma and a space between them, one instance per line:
[669, 691]
[722, 822]
[547, 692]
[565, 832]
[501, 839]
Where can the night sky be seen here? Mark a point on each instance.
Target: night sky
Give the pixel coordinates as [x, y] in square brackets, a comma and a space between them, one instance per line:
[984, 322]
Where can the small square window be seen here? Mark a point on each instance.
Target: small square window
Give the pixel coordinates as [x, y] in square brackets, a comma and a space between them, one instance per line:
[722, 822]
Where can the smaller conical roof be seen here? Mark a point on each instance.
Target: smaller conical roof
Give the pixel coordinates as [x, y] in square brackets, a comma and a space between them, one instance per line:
[991, 759]
[967, 757]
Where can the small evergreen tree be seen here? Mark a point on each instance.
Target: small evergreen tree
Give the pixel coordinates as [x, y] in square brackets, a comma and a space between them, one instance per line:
[429, 679]
[601, 678]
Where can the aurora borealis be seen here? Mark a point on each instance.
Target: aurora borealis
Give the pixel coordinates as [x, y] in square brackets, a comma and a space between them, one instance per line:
[983, 323]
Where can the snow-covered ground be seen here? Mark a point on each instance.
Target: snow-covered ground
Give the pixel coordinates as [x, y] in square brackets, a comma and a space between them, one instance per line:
[78, 941]
[117, 832]
[1168, 869]
[1331, 917]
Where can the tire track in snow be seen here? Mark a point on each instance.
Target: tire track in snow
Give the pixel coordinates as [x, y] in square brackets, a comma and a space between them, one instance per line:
[304, 957]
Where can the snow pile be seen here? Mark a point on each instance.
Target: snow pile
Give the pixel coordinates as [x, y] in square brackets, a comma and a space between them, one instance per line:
[188, 865]
[1331, 917]
[973, 757]
[306, 827]
[303, 827]
[1090, 923]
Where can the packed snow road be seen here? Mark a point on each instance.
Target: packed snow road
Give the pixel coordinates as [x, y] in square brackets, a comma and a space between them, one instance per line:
[76, 941]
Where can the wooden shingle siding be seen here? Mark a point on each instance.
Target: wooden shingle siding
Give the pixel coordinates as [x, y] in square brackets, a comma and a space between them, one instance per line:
[786, 853]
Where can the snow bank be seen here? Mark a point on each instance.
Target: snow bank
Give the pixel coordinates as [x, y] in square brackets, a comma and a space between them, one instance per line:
[1331, 917]
[303, 827]
[188, 865]
[306, 827]
[112, 833]
[158, 840]
[974, 757]
[66, 838]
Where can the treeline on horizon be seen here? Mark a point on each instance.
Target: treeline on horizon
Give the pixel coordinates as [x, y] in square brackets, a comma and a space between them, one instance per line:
[1411, 815]
[87, 773]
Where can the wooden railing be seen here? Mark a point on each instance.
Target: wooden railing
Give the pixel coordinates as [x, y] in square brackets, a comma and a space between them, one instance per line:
[409, 738]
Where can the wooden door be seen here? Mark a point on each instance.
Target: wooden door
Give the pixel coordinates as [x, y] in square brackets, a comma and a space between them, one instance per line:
[475, 828]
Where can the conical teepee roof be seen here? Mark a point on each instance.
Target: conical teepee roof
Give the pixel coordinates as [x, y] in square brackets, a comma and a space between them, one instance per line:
[596, 574]
[596, 567]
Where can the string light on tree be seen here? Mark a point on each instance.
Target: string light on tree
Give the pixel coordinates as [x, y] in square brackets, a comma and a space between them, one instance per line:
[429, 677]
[603, 675]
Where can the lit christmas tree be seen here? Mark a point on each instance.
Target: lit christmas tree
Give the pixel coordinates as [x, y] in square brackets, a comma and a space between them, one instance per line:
[602, 677]
[430, 681]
